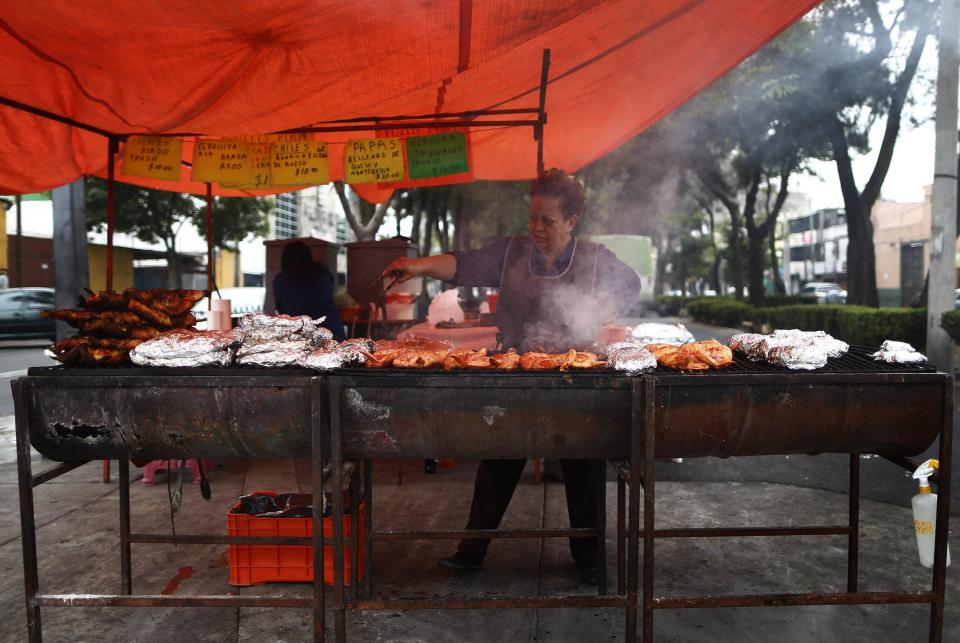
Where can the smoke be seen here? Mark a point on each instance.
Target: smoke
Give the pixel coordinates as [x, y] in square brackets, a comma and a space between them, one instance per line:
[570, 319]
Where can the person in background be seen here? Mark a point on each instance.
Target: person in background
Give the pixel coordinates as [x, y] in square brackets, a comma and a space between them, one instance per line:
[556, 290]
[305, 287]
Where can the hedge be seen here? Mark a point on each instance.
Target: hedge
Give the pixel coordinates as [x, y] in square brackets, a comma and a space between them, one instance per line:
[670, 304]
[859, 325]
[950, 321]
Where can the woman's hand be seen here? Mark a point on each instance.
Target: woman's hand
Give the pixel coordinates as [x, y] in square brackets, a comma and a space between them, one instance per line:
[439, 267]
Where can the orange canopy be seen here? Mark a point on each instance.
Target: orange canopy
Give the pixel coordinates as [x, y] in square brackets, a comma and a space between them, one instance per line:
[235, 68]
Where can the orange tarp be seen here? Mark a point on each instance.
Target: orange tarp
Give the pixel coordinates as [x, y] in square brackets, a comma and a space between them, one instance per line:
[235, 68]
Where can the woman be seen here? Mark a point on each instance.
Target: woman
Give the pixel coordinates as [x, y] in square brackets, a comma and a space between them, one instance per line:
[555, 292]
[305, 287]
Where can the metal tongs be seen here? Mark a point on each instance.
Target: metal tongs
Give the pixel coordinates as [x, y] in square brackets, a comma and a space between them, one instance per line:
[379, 280]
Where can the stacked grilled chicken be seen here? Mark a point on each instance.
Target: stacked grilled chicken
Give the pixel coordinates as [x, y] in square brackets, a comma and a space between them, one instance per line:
[423, 353]
[111, 324]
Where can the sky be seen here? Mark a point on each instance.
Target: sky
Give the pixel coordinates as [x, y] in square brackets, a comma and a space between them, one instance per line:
[912, 166]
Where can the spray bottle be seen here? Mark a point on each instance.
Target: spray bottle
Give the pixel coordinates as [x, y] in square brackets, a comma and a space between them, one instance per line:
[925, 513]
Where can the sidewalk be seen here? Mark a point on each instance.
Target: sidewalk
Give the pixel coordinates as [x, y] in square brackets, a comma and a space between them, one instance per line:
[77, 518]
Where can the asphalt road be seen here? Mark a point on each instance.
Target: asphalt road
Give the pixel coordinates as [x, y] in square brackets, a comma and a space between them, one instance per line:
[880, 480]
[15, 357]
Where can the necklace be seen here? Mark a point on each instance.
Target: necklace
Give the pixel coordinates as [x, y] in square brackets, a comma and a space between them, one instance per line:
[573, 254]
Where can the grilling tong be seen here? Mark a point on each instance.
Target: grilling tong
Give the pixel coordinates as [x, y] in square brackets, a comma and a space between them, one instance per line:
[379, 280]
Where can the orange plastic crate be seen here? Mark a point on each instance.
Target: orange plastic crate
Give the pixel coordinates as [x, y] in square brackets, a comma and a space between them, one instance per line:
[255, 564]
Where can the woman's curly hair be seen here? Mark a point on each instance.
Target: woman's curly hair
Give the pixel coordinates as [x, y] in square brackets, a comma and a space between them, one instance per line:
[561, 186]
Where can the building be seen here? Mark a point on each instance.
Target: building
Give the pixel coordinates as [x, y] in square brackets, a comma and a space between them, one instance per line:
[901, 236]
[816, 245]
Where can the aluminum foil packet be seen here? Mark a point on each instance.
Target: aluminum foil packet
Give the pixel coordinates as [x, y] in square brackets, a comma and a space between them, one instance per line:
[185, 347]
[653, 333]
[338, 357]
[364, 344]
[834, 347]
[280, 354]
[259, 327]
[898, 353]
[630, 358]
[249, 347]
[796, 357]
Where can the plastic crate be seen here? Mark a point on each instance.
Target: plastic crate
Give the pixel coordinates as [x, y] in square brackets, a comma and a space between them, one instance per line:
[255, 564]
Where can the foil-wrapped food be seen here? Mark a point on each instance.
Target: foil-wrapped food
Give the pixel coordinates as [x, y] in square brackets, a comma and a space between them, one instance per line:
[793, 349]
[340, 356]
[630, 357]
[898, 353]
[654, 333]
[184, 347]
[259, 327]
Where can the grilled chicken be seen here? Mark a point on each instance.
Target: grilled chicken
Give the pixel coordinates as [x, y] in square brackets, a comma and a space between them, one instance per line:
[509, 361]
[70, 343]
[95, 356]
[153, 316]
[419, 359]
[461, 357]
[534, 361]
[584, 360]
[77, 317]
[381, 358]
[105, 300]
[168, 302]
[698, 356]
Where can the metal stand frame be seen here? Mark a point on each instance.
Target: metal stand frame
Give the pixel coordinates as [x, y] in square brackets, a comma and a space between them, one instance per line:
[35, 600]
[641, 423]
[650, 601]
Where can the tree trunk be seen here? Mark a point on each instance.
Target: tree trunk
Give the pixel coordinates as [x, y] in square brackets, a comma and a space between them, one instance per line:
[778, 284]
[173, 265]
[861, 261]
[755, 239]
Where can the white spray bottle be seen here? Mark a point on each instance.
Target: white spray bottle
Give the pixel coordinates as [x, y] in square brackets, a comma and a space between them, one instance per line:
[925, 513]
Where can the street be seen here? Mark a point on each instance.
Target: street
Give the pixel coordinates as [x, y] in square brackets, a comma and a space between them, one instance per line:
[16, 356]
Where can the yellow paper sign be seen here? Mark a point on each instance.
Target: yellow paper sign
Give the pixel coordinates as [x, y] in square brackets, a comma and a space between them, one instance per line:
[223, 161]
[373, 159]
[153, 157]
[260, 163]
[299, 163]
[276, 138]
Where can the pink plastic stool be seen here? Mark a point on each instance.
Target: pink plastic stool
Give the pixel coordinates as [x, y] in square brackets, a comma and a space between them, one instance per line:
[151, 468]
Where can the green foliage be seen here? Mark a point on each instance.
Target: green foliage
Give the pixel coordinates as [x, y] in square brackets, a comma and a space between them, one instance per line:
[860, 325]
[950, 321]
[777, 301]
[234, 219]
[150, 215]
[493, 209]
[720, 311]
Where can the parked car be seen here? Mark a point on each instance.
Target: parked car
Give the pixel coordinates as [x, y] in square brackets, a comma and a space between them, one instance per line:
[825, 292]
[20, 312]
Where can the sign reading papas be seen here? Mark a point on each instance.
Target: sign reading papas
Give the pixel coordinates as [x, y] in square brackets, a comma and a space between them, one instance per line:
[153, 157]
[437, 155]
[299, 163]
[373, 159]
[223, 161]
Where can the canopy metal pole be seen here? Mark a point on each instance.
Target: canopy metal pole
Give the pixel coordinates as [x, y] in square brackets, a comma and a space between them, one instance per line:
[542, 115]
[19, 265]
[209, 237]
[113, 147]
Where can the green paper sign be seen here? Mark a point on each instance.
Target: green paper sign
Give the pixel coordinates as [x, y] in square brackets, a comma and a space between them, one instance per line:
[437, 155]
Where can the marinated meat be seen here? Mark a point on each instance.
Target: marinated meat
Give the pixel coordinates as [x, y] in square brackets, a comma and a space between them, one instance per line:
[509, 361]
[698, 356]
[168, 302]
[77, 317]
[419, 359]
[460, 357]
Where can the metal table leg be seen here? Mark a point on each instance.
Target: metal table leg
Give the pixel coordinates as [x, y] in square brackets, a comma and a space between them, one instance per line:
[368, 529]
[853, 537]
[336, 454]
[649, 490]
[601, 513]
[123, 483]
[943, 517]
[318, 424]
[28, 532]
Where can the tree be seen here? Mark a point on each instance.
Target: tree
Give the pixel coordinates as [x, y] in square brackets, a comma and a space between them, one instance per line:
[364, 218]
[157, 216]
[234, 219]
[850, 73]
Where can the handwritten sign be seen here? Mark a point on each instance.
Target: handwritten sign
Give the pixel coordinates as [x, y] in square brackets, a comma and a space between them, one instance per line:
[260, 164]
[153, 157]
[437, 155]
[410, 182]
[276, 138]
[373, 159]
[299, 163]
[225, 161]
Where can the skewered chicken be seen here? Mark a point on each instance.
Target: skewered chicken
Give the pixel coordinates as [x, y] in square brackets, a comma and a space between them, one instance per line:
[169, 302]
[105, 300]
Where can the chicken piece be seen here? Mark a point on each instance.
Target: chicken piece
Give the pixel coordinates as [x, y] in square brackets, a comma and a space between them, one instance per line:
[659, 350]
[381, 358]
[480, 361]
[143, 332]
[713, 353]
[585, 360]
[419, 359]
[534, 361]
[77, 317]
[457, 359]
[168, 302]
[70, 343]
[509, 361]
[95, 356]
[415, 344]
[103, 300]
[186, 320]
[153, 316]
